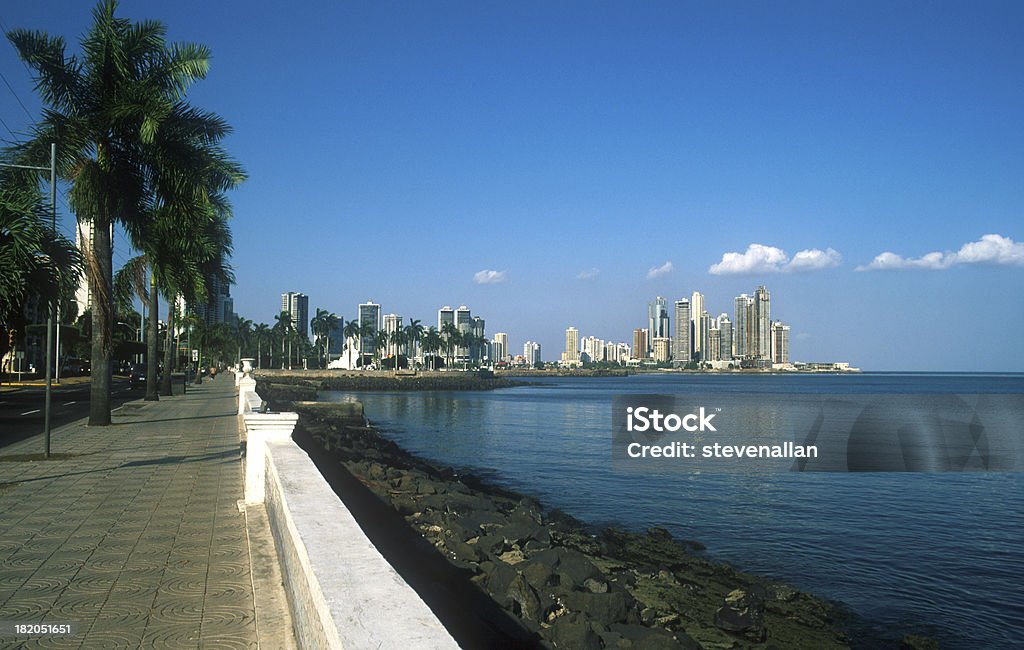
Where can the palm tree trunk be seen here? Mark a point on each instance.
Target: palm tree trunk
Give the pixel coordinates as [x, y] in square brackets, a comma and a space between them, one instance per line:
[152, 350]
[165, 382]
[101, 273]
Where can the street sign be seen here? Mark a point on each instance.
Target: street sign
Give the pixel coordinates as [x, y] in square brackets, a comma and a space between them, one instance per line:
[195, 355]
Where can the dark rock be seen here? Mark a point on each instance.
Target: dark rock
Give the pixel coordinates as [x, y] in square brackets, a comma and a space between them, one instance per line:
[498, 577]
[538, 574]
[577, 636]
[613, 607]
[643, 637]
[743, 614]
[595, 586]
[572, 563]
[524, 600]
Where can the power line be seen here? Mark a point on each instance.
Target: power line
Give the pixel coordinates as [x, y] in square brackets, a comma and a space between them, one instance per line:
[20, 103]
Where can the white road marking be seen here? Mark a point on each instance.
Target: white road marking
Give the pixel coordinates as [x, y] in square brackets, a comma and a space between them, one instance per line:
[31, 412]
[69, 403]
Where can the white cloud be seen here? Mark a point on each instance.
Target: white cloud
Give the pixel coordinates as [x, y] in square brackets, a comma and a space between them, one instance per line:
[658, 271]
[759, 258]
[589, 275]
[813, 259]
[489, 277]
[990, 249]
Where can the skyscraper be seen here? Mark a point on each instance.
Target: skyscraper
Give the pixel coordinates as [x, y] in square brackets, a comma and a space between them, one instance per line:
[297, 306]
[780, 342]
[369, 313]
[392, 323]
[464, 323]
[763, 327]
[531, 352]
[681, 339]
[657, 320]
[445, 315]
[725, 337]
[697, 331]
[500, 346]
[571, 356]
[743, 339]
[640, 347]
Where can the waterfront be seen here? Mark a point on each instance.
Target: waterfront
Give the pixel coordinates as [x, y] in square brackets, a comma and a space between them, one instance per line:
[925, 553]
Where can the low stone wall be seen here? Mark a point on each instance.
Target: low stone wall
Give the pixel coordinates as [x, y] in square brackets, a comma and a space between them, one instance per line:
[342, 592]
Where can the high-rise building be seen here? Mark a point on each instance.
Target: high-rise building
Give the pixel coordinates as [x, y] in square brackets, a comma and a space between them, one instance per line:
[297, 306]
[392, 323]
[780, 342]
[477, 351]
[681, 339]
[640, 347]
[714, 347]
[657, 320]
[531, 351]
[445, 315]
[725, 337]
[336, 339]
[464, 323]
[369, 314]
[571, 356]
[500, 346]
[743, 327]
[697, 329]
[662, 347]
[763, 326]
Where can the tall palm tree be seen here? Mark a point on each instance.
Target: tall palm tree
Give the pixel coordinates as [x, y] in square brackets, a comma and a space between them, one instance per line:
[243, 333]
[284, 327]
[451, 338]
[398, 339]
[380, 343]
[413, 333]
[261, 333]
[106, 110]
[432, 344]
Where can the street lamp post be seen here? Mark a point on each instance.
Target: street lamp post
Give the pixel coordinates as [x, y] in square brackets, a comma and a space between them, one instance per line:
[53, 305]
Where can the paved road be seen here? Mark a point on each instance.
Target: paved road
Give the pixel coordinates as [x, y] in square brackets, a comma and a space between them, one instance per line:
[21, 409]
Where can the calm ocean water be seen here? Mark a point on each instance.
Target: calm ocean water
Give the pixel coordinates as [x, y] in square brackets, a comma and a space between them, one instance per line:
[935, 554]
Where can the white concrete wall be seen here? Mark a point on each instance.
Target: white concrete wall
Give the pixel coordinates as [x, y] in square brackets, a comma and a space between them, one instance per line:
[344, 594]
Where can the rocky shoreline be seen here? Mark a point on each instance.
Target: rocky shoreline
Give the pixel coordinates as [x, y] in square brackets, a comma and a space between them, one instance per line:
[559, 583]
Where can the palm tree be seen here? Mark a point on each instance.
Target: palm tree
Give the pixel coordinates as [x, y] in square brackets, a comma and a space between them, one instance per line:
[322, 325]
[380, 342]
[432, 344]
[413, 334]
[451, 338]
[243, 333]
[351, 333]
[261, 333]
[284, 327]
[398, 339]
[33, 259]
[107, 110]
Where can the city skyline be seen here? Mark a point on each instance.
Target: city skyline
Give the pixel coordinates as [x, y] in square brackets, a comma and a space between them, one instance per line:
[867, 155]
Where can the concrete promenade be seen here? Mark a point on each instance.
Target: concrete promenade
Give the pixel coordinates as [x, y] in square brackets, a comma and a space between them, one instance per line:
[134, 536]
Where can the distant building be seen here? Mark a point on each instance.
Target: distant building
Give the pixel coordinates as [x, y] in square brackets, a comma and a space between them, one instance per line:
[780, 342]
[697, 326]
[640, 347]
[392, 323]
[743, 334]
[445, 315]
[662, 349]
[725, 337]
[336, 342]
[657, 320]
[681, 339]
[499, 346]
[531, 352]
[571, 356]
[369, 314]
[762, 328]
[297, 305]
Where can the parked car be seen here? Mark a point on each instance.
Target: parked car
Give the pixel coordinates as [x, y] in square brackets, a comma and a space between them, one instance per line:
[72, 367]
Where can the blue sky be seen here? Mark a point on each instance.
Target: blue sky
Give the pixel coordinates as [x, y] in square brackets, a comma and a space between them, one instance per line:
[396, 150]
